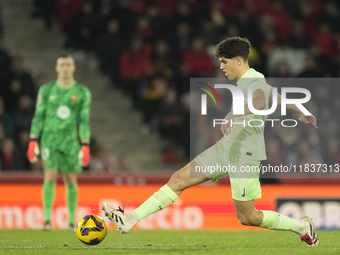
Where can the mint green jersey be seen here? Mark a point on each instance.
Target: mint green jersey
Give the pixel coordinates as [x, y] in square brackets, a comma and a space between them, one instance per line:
[59, 114]
[244, 140]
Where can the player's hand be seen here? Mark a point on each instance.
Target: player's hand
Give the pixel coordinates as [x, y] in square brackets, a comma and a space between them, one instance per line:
[308, 119]
[226, 128]
[33, 151]
[84, 155]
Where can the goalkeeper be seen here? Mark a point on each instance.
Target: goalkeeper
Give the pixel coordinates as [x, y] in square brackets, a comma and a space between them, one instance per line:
[62, 109]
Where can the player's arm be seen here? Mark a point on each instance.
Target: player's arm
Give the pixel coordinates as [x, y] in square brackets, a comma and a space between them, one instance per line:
[84, 128]
[37, 126]
[39, 114]
[259, 103]
[84, 117]
[307, 119]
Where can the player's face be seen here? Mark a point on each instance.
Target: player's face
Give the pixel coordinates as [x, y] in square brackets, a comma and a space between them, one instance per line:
[228, 66]
[65, 67]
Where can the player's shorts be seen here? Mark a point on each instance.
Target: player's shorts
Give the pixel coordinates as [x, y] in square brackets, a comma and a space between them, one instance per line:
[59, 160]
[242, 171]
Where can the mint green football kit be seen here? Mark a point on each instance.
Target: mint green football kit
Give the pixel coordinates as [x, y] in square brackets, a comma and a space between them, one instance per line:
[243, 149]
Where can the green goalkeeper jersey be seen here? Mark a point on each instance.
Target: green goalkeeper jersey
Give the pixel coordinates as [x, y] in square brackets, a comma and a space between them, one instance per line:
[60, 113]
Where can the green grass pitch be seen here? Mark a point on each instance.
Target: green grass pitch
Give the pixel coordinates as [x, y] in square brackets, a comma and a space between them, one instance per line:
[166, 242]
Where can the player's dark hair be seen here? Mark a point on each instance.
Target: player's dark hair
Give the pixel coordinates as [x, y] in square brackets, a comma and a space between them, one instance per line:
[233, 47]
[65, 55]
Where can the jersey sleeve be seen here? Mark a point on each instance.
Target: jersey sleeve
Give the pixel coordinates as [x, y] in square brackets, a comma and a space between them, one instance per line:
[255, 84]
[39, 115]
[260, 83]
[84, 118]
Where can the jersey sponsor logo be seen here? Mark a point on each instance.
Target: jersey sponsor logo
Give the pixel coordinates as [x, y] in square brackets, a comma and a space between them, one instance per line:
[63, 112]
[74, 98]
[45, 154]
[53, 97]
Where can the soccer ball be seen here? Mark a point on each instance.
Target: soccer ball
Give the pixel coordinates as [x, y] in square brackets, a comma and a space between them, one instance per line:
[91, 229]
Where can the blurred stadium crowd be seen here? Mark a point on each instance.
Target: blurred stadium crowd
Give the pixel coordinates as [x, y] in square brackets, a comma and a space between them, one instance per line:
[18, 93]
[149, 49]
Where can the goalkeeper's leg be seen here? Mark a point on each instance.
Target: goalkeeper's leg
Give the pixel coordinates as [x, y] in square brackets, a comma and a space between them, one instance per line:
[179, 181]
[70, 181]
[50, 179]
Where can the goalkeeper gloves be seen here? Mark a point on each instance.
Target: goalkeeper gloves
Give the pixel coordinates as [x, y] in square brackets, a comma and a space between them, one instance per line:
[84, 154]
[33, 151]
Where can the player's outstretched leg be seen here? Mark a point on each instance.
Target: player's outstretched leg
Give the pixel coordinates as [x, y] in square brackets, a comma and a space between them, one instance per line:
[304, 227]
[50, 178]
[248, 215]
[124, 221]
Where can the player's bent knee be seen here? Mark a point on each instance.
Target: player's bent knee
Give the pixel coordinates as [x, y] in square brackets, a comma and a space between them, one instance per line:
[176, 182]
[248, 220]
[243, 220]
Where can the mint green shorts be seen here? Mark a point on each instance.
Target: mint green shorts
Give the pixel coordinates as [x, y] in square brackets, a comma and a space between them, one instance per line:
[243, 172]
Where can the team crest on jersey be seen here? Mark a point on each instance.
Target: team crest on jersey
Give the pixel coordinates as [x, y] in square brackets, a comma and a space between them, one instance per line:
[74, 98]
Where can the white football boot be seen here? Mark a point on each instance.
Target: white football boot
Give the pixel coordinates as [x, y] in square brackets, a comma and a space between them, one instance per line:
[311, 238]
[123, 221]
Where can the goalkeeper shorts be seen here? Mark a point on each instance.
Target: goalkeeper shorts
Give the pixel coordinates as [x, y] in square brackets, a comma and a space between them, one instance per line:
[61, 161]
